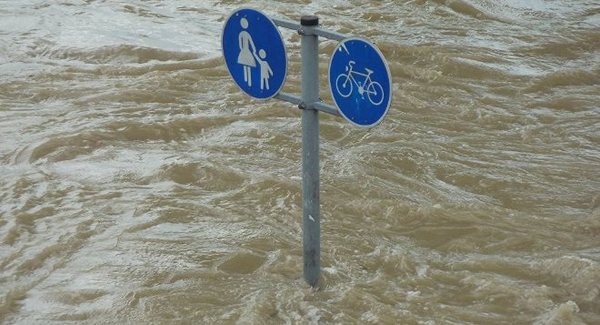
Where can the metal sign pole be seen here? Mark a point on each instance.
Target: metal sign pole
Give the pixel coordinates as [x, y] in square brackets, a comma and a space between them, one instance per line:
[363, 104]
[311, 221]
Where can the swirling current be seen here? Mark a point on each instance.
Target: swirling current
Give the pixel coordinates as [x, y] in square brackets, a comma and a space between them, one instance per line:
[140, 185]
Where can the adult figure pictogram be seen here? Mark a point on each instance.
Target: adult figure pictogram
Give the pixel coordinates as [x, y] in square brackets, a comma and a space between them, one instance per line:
[247, 55]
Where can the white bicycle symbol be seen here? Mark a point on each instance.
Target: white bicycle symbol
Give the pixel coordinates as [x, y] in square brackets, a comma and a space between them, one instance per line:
[345, 82]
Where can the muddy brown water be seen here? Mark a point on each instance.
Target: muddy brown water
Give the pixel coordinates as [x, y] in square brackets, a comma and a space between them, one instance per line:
[139, 185]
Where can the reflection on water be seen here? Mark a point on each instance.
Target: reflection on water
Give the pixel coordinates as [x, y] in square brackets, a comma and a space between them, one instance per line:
[140, 185]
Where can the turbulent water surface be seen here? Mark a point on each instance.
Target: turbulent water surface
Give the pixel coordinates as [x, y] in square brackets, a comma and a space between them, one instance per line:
[140, 185]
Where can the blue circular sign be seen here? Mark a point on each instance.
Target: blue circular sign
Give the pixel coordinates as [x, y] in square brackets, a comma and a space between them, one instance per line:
[254, 53]
[360, 82]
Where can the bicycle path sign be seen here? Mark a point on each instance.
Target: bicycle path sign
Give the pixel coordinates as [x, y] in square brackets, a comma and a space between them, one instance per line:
[360, 82]
[254, 53]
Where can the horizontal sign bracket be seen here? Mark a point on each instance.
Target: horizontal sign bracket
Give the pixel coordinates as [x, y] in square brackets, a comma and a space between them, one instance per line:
[297, 100]
[313, 30]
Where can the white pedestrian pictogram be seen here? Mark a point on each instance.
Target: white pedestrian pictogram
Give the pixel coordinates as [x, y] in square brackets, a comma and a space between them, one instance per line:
[248, 58]
[265, 69]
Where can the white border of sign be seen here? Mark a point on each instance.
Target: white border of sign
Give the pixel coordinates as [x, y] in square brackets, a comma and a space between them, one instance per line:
[387, 68]
[282, 42]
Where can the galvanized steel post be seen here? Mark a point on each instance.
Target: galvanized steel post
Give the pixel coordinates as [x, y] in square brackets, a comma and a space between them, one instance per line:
[310, 150]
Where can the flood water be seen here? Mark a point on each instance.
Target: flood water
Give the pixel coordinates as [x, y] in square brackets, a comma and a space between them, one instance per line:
[140, 185]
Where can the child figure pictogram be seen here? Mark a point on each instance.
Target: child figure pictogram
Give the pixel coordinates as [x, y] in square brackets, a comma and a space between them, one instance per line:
[265, 69]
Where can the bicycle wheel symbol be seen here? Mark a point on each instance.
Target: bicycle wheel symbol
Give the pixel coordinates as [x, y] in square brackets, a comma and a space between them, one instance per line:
[375, 93]
[343, 84]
